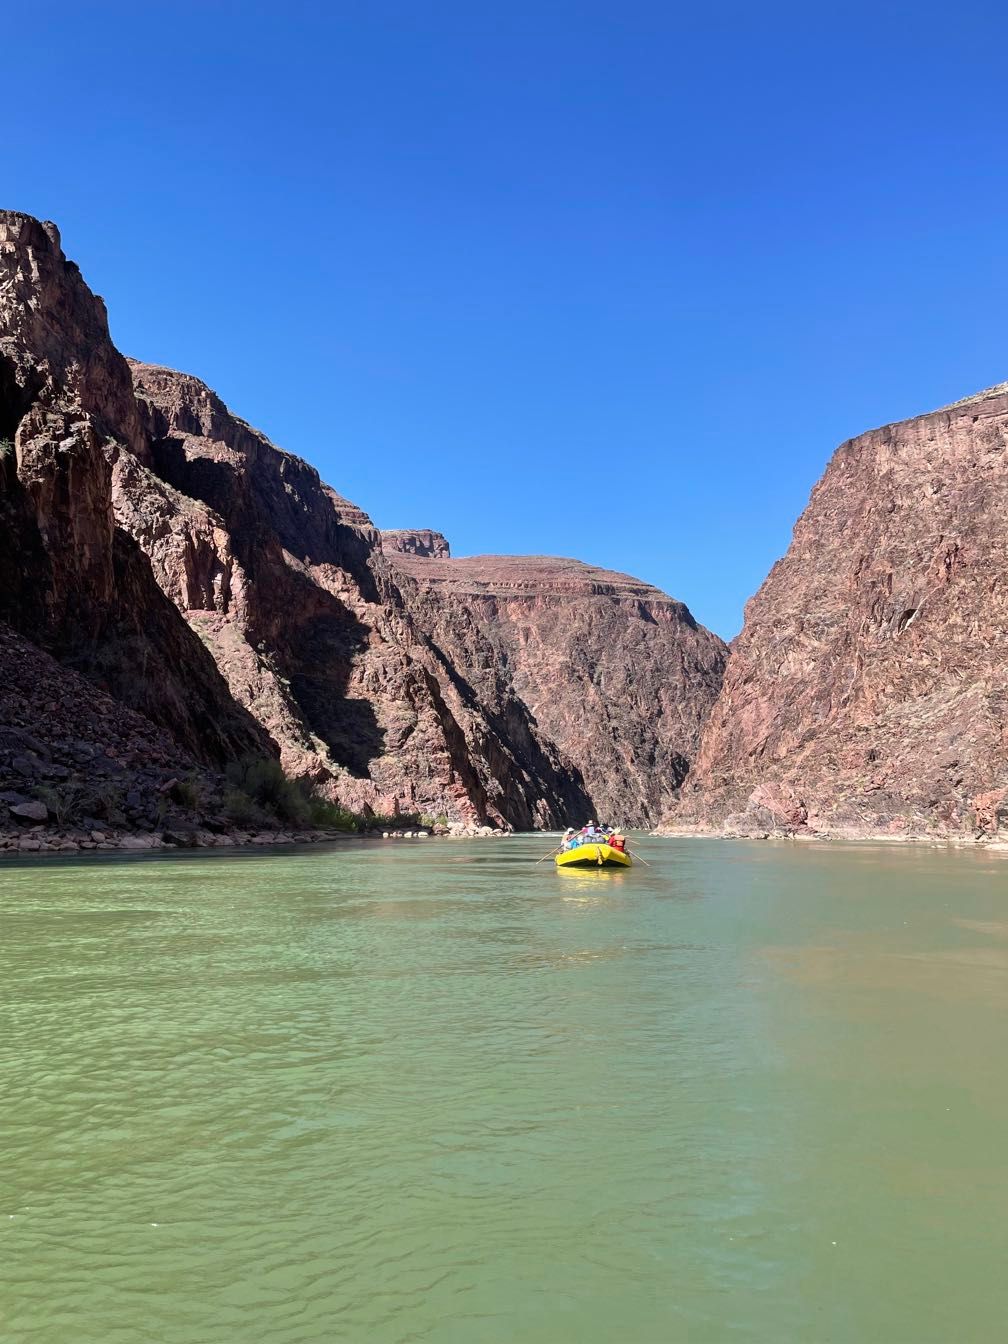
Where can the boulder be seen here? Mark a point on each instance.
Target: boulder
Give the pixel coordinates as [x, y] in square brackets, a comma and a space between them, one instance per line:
[33, 811]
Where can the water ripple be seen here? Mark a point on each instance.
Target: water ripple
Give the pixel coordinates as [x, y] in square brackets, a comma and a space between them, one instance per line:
[440, 1093]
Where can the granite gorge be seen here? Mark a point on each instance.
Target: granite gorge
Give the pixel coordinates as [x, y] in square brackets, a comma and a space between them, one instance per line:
[225, 605]
[159, 547]
[615, 672]
[868, 691]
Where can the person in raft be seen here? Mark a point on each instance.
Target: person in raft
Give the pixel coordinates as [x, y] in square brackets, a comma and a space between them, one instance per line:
[590, 834]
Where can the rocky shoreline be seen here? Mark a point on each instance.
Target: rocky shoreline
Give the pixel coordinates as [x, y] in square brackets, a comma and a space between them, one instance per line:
[42, 839]
[963, 840]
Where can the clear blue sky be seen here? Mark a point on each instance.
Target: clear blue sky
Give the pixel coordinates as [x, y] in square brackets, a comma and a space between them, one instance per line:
[602, 280]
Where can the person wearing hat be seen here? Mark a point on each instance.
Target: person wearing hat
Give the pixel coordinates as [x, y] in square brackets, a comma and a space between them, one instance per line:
[568, 838]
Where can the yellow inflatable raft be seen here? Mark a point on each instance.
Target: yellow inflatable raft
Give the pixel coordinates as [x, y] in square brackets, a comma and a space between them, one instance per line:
[593, 856]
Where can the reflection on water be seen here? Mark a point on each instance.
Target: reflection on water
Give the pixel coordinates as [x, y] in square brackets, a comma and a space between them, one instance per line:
[442, 1092]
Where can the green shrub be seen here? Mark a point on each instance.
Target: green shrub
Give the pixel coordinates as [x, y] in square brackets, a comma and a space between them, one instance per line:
[331, 817]
[63, 803]
[242, 809]
[187, 793]
[262, 782]
[108, 801]
[6, 449]
[396, 821]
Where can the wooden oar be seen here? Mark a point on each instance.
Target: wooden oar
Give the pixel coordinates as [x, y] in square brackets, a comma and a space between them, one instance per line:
[634, 855]
[550, 855]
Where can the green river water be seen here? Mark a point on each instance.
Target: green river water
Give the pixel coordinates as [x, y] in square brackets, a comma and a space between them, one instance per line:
[436, 1092]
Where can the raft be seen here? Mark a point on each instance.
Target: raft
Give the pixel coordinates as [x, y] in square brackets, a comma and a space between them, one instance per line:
[593, 856]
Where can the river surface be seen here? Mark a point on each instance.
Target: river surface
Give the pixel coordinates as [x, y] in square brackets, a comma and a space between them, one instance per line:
[436, 1092]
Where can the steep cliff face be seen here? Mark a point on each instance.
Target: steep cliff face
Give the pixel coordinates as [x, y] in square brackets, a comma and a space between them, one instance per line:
[868, 691]
[70, 578]
[526, 691]
[615, 673]
[289, 587]
[202, 577]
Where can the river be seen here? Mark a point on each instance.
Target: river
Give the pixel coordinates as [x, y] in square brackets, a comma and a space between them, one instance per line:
[433, 1091]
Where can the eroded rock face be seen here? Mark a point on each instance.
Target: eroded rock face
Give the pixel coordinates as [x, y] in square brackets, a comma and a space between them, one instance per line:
[70, 577]
[288, 585]
[868, 690]
[85, 754]
[525, 690]
[614, 672]
[422, 541]
[213, 584]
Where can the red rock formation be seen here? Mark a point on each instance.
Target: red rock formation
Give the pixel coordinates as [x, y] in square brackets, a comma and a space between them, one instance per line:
[89, 757]
[524, 690]
[867, 693]
[69, 577]
[416, 541]
[288, 586]
[615, 673]
[202, 576]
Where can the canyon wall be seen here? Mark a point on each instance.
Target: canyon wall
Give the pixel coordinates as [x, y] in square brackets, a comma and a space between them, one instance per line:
[616, 673]
[160, 548]
[868, 691]
[289, 588]
[71, 578]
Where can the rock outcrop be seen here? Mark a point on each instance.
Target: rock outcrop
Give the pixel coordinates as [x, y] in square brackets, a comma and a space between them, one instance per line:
[72, 755]
[868, 691]
[290, 589]
[216, 588]
[416, 541]
[616, 674]
[71, 578]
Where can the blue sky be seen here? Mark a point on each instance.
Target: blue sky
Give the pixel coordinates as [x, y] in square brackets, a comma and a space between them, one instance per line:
[599, 280]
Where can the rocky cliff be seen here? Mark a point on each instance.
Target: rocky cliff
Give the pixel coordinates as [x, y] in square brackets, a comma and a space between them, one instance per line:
[71, 578]
[868, 691]
[416, 541]
[290, 589]
[213, 584]
[615, 673]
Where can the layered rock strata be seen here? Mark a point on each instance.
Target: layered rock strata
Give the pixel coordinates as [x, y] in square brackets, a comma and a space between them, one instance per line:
[291, 591]
[214, 585]
[415, 541]
[868, 691]
[71, 578]
[614, 672]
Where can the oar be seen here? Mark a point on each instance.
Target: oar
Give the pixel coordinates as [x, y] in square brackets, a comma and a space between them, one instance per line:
[549, 855]
[634, 855]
